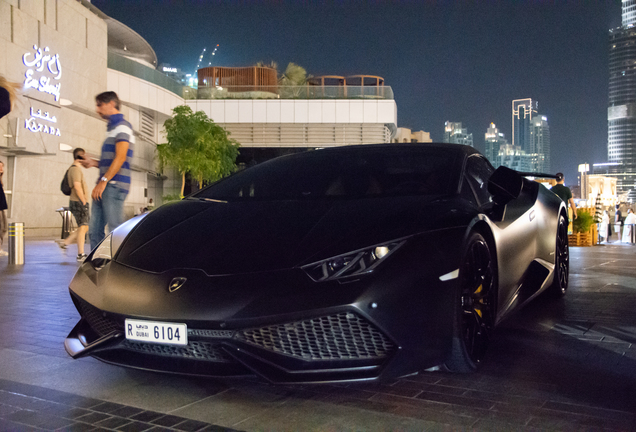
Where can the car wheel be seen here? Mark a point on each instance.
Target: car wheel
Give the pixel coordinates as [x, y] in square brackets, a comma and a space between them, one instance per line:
[475, 306]
[561, 260]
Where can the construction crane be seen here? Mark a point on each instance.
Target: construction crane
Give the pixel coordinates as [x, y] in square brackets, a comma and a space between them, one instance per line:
[203, 55]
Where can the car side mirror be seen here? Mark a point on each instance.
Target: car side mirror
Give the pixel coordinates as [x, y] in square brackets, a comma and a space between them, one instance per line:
[505, 185]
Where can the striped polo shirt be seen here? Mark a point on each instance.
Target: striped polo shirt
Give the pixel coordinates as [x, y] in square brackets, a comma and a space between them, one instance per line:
[118, 130]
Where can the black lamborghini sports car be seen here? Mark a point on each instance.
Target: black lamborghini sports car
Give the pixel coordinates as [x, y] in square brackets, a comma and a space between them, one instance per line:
[343, 264]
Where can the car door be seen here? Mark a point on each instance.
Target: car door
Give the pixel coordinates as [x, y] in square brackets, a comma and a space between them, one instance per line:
[514, 233]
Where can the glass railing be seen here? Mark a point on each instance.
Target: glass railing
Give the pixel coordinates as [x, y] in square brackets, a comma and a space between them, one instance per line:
[131, 67]
[290, 92]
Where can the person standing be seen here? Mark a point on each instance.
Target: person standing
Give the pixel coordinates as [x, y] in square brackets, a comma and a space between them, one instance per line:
[564, 193]
[4, 225]
[78, 204]
[618, 221]
[114, 169]
[604, 230]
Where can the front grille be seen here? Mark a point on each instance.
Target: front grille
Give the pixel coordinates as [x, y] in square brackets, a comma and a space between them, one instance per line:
[343, 336]
[195, 350]
[101, 324]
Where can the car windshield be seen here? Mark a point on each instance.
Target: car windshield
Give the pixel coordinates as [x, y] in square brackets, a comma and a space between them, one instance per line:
[353, 173]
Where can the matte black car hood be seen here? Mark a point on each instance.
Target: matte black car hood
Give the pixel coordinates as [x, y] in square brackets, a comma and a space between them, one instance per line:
[251, 236]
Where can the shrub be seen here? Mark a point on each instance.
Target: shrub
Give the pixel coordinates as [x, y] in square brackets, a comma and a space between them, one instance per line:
[583, 222]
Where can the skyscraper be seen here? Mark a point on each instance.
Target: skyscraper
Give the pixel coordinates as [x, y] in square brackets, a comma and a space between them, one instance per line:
[530, 133]
[455, 134]
[523, 110]
[621, 113]
[494, 141]
[540, 142]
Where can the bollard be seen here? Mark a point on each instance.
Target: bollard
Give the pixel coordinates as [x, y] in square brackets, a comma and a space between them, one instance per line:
[16, 243]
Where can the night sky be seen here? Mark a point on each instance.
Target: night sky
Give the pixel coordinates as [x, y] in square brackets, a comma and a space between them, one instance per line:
[461, 61]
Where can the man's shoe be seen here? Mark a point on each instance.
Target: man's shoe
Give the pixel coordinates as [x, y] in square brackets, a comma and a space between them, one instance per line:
[61, 244]
[81, 257]
[3, 253]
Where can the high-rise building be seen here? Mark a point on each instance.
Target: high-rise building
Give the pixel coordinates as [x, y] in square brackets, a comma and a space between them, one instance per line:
[621, 112]
[530, 132]
[494, 141]
[455, 134]
[523, 111]
[540, 143]
[513, 157]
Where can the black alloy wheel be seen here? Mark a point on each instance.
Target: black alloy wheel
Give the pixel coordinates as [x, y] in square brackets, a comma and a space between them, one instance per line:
[561, 260]
[476, 306]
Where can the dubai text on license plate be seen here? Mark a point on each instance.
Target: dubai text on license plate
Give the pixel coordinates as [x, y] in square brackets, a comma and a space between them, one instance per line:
[157, 332]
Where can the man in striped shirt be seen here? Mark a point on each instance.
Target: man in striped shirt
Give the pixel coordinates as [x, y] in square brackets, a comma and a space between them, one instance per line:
[114, 169]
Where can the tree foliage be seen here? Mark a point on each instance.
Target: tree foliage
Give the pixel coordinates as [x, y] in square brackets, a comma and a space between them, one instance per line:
[294, 75]
[197, 145]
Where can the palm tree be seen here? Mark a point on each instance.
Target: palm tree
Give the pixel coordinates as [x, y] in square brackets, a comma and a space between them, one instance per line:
[294, 75]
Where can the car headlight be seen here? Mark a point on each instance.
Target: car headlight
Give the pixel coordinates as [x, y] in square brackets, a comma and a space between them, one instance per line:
[102, 254]
[105, 251]
[354, 263]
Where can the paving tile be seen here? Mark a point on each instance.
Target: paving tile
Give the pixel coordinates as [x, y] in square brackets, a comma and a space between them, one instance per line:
[108, 407]
[435, 416]
[147, 416]
[113, 422]
[74, 427]
[456, 400]
[32, 418]
[190, 426]
[588, 411]
[167, 420]
[135, 426]
[93, 417]
[126, 411]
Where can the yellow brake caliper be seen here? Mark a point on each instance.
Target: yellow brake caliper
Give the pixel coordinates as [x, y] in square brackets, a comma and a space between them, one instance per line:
[477, 307]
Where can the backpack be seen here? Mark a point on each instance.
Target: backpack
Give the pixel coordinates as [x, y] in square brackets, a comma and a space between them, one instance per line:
[65, 187]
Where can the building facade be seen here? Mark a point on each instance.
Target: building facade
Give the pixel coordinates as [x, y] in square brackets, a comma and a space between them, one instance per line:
[531, 133]
[405, 135]
[621, 112]
[455, 134]
[523, 111]
[65, 52]
[515, 158]
[494, 140]
[540, 143]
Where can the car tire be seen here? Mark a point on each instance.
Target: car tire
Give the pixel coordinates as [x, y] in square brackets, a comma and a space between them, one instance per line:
[559, 285]
[474, 306]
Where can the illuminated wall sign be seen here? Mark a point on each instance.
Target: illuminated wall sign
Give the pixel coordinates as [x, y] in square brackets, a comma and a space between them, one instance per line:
[167, 69]
[42, 58]
[34, 125]
[43, 73]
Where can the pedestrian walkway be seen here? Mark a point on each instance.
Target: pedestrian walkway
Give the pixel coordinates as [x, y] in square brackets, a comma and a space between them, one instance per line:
[557, 365]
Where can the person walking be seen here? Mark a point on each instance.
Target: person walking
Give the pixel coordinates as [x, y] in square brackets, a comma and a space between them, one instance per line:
[78, 204]
[4, 225]
[564, 193]
[114, 169]
[8, 95]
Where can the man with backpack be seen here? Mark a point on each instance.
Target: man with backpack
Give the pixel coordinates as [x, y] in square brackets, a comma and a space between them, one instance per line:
[78, 203]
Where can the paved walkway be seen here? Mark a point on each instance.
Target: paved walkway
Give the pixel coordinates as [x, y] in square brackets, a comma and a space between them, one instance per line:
[557, 365]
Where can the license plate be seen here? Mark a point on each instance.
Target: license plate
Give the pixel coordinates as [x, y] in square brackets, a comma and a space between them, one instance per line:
[157, 332]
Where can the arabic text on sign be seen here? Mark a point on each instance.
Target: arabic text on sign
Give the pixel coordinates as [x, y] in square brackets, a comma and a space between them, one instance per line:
[42, 83]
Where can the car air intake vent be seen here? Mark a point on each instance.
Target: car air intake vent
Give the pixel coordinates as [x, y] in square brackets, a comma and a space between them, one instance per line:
[102, 325]
[344, 336]
[195, 350]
